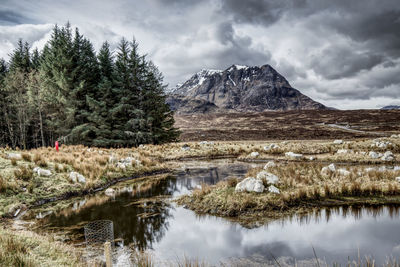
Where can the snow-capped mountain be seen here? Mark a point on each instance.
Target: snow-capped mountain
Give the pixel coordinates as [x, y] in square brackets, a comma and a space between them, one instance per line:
[241, 88]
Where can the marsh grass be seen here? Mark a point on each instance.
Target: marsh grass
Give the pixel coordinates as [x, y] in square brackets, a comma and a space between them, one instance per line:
[25, 248]
[300, 184]
[23, 173]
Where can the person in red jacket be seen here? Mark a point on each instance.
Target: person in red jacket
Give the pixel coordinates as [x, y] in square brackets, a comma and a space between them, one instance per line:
[56, 145]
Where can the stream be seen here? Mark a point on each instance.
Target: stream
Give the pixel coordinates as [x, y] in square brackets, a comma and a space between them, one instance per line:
[147, 219]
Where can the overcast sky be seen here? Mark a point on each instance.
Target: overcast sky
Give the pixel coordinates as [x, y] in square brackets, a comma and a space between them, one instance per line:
[345, 54]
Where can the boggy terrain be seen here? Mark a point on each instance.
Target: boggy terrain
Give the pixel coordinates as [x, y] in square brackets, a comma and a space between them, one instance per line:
[365, 172]
[292, 125]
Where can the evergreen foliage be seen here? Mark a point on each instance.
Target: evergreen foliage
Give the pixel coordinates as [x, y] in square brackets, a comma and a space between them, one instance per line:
[70, 93]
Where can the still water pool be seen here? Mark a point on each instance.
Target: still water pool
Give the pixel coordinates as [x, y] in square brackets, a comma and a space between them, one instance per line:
[147, 219]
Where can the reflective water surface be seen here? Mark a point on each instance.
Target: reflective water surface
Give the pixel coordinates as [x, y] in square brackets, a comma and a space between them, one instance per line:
[146, 218]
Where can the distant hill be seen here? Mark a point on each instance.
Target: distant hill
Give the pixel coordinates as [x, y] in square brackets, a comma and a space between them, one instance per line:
[391, 107]
[239, 88]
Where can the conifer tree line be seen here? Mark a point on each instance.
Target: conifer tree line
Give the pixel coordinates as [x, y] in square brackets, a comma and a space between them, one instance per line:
[69, 93]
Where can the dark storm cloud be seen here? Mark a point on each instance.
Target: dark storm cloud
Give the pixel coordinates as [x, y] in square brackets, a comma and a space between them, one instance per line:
[375, 25]
[9, 17]
[330, 50]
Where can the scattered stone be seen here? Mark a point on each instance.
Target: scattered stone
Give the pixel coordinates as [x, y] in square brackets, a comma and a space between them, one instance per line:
[373, 155]
[77, 177]
[270, 147]
[343, 172]
[338, 142]
[388, 156]
[269, 177]
[328, 169]
[342, 151]
[206, 143]
[112, 159]
[293, 155]
[285, 142]
[42, 172]
[273, 189]
[311, 158]
[254, 154]
[185, 147]
[250, 184]
[16, 156]
[397, 179]
[270, 164]
[381, 144]
[370, 169]
[110, 192]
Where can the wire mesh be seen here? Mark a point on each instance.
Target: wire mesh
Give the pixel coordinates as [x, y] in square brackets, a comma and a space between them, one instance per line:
[99, 232]
[96, 234]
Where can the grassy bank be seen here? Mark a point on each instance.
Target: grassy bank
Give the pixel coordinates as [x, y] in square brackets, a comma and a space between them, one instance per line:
[301, 187]
[25, 248]
[21, 186]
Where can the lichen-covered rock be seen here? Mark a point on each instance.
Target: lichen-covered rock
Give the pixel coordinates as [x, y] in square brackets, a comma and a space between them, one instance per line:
[269, 177]
[273, 189]
[270, 164]
[293, 155]
[250, 184]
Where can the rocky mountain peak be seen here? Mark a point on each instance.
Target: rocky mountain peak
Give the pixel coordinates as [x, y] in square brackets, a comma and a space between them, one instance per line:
[245, 88]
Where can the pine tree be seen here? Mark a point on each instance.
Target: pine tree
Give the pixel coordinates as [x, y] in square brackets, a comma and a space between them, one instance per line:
[159, 116]
[4, 140]
[58, 73]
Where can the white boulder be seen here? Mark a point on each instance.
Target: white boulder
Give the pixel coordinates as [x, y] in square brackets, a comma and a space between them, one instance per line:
[342, 151]
[311, 158]
[388, 156]
[269, 177]
[270, 164]
[373, 155]
[250, 184]
[185, 148]
[293, 155]
[16, 156]
[110, 192]
[338, 142]
[328, 169]
[273, 189]
[270, 147]
[42, 172]
[254, 154]
[397, 179]
[112, 159]
[77, 177]
[343, 172]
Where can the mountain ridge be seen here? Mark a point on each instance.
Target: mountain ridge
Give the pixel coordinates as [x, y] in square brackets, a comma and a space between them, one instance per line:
[241, 88]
